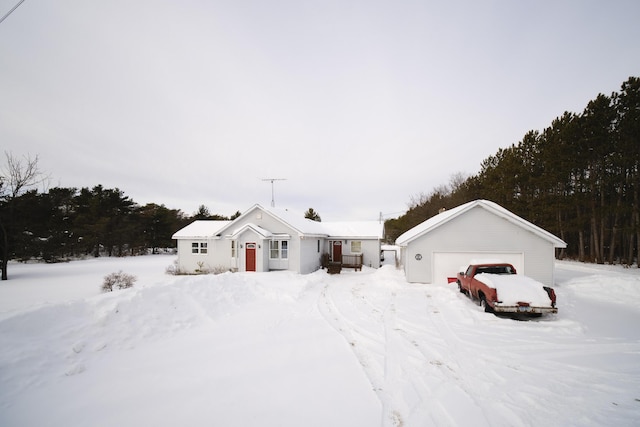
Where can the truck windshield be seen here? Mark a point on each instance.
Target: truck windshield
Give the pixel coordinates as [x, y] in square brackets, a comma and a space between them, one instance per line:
[496, 269]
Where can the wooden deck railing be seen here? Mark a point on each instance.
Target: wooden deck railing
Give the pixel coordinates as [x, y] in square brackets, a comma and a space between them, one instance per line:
[347, 261]
[352, 261]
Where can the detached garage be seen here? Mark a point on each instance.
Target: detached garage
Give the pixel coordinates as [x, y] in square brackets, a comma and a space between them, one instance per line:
[479, 230]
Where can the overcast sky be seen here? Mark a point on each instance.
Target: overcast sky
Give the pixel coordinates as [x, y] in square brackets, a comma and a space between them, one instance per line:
[360, 105]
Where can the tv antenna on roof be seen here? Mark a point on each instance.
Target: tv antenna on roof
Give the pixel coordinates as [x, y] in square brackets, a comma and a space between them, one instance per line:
[273, 202]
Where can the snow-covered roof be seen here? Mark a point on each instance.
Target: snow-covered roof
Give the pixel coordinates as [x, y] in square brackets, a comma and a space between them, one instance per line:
[448, 215]
[354, 229]
[256, 228]
[200, 229]
[340, 229]
[295, 220]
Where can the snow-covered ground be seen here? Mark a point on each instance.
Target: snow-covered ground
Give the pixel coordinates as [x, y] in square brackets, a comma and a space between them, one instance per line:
[280, 349]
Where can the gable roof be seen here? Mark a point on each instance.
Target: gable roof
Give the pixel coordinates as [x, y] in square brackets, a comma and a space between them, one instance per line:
[296, 221]
[201, 228]
[496, 209]
[255, 228]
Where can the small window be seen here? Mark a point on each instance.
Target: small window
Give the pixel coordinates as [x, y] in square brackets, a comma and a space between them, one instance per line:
[285, 249]
[199, 248]
[356, 247]
[233, 249]
[318, 245]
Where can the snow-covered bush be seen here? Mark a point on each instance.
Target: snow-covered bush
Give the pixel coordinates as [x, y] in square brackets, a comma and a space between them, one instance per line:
[219, 269]
[174, 269]
[118, 280]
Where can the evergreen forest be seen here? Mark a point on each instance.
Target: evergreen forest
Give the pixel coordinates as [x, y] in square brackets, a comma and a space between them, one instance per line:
[66, 223]
[579, 179]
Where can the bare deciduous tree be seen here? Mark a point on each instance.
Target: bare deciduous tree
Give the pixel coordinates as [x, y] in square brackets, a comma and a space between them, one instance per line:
[17, 176]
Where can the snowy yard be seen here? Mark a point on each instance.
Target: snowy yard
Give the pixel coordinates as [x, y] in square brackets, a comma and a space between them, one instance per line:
[280, 349]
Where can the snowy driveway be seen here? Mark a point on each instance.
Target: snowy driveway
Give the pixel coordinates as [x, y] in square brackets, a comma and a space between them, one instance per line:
[434, 358]
[279, 349]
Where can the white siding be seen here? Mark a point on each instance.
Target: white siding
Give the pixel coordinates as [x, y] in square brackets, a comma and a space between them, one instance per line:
[310, 261]
[369, 248]
[267, 222]
[262, 260]
[371, 253]
[218, 255]
[307, 241]
[478, 230]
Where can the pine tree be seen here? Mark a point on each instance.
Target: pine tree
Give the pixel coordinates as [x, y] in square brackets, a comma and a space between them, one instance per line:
[312, 215]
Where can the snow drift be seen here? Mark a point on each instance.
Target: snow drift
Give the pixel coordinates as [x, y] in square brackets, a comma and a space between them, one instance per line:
[355, 349]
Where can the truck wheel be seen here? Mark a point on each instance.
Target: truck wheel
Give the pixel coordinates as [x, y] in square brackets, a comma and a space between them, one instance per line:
[484, 305]
[460, 288]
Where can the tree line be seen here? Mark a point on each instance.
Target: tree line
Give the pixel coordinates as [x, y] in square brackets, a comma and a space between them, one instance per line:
[65, 223]
[579, 178]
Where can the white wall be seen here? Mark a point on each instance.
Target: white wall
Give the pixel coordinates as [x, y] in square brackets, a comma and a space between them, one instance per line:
[370, 250]
[303, 253]
[310, 258]
[267, 222]
[478, 230]
[371, 253]
[218, 255]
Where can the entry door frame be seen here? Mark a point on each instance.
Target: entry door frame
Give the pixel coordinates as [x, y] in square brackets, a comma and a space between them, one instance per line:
[336, 250]
[250, 256]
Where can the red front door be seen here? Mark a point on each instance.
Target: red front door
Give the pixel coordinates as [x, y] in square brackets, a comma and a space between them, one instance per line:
[337, 251]
[250, 253]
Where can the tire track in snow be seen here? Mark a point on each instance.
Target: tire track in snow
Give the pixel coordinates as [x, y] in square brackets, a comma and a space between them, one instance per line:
[439, 373]
[366, 339]
[434, 358]
[512, 367]
[407, 370]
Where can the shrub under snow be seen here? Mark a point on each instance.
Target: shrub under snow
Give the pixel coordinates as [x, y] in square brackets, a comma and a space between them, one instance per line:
[118, 280]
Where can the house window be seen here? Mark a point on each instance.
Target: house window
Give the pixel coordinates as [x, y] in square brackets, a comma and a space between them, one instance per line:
[199, 248]
[318, 245]
[278, 249]
[356, 246]
[233, 249]
[274, 249]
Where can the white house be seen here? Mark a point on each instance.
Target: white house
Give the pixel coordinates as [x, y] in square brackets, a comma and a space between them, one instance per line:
[275, 239]
[480, 230]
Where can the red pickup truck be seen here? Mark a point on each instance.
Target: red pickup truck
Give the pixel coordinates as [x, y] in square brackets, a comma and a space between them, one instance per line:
[498, 288]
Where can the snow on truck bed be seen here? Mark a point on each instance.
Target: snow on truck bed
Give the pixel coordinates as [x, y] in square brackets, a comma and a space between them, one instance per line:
[514, 288]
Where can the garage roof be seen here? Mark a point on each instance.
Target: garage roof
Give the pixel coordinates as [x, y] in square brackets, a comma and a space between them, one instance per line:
[492, 207]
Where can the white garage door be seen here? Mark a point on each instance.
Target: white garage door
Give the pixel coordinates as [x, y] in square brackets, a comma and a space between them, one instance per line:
[448, 264]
